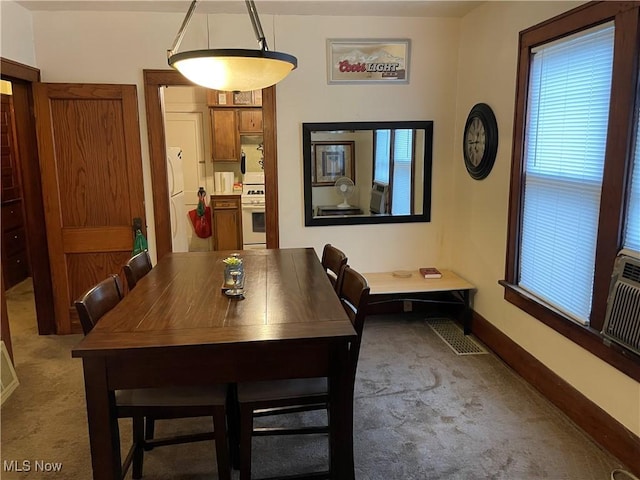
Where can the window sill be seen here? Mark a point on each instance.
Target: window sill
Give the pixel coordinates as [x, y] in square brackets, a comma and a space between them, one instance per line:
[588, 338]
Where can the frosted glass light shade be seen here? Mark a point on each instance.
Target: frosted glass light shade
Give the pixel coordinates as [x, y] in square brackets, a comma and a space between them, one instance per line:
[237, 70]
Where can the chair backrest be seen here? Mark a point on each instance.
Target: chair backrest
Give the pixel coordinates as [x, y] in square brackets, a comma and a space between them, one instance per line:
[97, 301]
[354, 296]
[136, 268]
[333, 261]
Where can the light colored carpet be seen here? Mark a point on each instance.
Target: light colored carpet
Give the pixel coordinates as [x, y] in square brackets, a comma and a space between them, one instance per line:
[421, 412]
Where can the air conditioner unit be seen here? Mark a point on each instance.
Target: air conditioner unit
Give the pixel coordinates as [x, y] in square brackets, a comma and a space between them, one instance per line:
[622, 320]
[379, 198]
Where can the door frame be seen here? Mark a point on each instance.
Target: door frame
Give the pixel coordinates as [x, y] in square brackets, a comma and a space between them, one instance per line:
[154, 80]
[22, 78]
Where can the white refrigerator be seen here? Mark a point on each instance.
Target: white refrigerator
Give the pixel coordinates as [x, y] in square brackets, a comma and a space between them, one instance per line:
[175, 177]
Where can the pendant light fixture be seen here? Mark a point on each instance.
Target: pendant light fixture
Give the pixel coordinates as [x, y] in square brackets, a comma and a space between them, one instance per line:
[237, 70]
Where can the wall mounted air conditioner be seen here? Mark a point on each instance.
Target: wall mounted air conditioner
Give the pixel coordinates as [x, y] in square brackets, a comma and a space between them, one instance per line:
[622, 320]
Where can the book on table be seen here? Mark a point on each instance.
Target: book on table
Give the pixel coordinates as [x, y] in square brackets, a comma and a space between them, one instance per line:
[430, 272]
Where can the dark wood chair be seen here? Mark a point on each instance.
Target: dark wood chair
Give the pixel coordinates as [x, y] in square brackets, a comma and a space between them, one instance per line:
[97, 301]
[260, 399]
[136, 268]
[157, 403]
[333, 261]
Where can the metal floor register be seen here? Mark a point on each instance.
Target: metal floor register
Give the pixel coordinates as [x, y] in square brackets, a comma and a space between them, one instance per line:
[454, 337]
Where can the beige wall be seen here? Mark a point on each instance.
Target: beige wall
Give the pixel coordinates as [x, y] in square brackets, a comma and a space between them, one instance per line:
[306, 97]
[454, 64]
[16, 34]
[478, 231]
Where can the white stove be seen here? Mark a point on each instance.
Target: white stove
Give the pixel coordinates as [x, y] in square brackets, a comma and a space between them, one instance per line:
[252, 194]
[254, 232]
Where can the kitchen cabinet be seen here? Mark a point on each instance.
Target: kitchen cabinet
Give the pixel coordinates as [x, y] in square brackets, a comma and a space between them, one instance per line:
[228, 125]
[225, 141]
[250, 121]
[226, 212]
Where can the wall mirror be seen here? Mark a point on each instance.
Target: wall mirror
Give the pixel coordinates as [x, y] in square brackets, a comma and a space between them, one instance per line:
[367, 172]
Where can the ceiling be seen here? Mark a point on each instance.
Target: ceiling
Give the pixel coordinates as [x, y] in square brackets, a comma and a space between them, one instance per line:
[385, 8]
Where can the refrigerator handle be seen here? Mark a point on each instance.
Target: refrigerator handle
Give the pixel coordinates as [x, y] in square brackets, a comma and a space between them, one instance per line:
[170, 177]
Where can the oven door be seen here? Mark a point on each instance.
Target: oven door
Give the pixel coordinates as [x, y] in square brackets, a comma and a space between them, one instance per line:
[254, 226]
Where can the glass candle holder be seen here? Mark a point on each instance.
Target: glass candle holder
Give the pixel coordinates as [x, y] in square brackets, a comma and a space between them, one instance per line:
[234, 276]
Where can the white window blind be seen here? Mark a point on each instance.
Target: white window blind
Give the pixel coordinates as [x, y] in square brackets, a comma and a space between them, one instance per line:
[632, 225]
[383, 155]
[402, 159]
[565, 139]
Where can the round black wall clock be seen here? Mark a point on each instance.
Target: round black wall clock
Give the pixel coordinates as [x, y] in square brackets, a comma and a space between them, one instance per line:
[480, 141]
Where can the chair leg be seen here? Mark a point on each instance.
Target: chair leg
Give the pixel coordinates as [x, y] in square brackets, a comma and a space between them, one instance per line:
[246, 430]
[233, 425]
[222, 447]
[149, 431]
[138, 442]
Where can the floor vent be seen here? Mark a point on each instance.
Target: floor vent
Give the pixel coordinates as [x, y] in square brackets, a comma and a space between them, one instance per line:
[454, 337]
[8, 378]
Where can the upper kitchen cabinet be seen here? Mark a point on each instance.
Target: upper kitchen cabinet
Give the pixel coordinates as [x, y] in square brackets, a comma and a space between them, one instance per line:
[228, 126]
[225, 141]
[250, 120]
[233, 115]
[216, 98]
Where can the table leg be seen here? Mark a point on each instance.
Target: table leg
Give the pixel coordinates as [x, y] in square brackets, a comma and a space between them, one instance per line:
[341, 416]
[466, 313]
[104, 435]
[233, 425]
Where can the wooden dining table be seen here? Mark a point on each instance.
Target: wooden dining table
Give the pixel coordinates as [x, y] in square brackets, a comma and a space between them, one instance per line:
[178, 328]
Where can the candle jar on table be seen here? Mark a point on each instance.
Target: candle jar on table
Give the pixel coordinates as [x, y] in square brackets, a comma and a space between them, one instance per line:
[233, 275]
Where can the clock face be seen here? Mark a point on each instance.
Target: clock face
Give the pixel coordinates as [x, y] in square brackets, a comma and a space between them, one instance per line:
[475, 139]
[480, 141]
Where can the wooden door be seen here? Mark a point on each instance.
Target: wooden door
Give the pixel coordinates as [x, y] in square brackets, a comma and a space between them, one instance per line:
[91, 167]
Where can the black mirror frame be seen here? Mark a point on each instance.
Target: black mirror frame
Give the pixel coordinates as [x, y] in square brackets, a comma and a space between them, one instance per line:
[311, 221]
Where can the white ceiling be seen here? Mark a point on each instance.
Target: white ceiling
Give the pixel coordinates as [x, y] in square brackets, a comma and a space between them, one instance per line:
[386, 8]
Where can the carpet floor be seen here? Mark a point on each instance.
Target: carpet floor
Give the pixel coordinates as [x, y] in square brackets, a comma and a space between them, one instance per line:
[420, 412]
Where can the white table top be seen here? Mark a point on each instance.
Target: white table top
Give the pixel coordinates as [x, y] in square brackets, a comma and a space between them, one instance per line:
[386, 282]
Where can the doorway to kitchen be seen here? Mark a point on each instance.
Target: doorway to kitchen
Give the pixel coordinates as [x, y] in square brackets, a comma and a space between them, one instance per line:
[189, 166]
[155, 80]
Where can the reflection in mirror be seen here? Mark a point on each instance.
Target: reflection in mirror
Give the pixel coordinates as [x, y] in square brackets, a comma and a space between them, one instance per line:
[367, 172]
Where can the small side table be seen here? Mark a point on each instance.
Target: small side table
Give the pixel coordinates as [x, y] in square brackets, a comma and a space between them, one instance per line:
[323, 211]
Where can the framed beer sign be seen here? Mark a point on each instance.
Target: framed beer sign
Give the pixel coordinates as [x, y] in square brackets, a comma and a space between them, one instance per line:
[368, 61]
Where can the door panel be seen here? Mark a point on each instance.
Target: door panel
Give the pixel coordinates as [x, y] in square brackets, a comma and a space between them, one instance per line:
[91, 166]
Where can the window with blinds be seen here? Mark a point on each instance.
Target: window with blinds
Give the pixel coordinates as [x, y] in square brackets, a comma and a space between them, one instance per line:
[565, 142]
[402, 166]
[394, 159]
[632, 226]
[382, 158]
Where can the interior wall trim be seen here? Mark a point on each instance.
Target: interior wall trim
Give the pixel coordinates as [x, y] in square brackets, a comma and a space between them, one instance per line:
[23, 77]
[598, 424]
